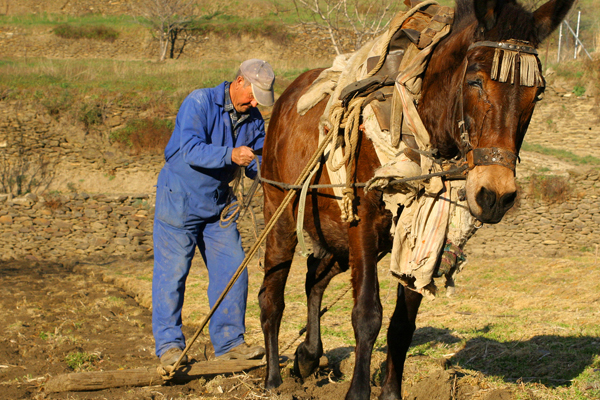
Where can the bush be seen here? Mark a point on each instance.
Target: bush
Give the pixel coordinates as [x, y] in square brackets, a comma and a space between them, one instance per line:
[144, 135]
[554, 189]
[98, 32]
[91, 114]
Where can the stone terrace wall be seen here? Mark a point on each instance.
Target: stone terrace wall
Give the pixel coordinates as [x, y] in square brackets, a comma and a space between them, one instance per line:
[82, 225]
[63, 142]
[540, 228]
[75, 226]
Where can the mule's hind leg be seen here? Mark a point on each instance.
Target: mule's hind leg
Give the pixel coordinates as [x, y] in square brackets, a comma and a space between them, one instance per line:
[319, 274]
[400, 333]
[367, 311]
[281, 243]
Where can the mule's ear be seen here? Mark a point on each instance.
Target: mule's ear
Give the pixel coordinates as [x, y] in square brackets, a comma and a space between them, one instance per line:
[487, 11]
[549, 16]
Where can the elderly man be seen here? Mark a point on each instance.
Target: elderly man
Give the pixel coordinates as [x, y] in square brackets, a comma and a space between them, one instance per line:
[216, 132]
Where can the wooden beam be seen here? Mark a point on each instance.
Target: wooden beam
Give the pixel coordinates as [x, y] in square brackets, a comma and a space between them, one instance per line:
[149, 376]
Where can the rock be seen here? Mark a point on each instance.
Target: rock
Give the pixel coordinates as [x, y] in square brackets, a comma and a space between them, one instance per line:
[41, 221]
[22, 201]
[31, 197]
[6, 219]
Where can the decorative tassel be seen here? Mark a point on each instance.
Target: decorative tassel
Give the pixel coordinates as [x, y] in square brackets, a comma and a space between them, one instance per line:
[530, 72]
[508, 66]
[495, 64]
[504, 68]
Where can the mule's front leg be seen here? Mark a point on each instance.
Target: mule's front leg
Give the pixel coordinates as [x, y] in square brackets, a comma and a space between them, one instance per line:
[367, 311]
[400, 333]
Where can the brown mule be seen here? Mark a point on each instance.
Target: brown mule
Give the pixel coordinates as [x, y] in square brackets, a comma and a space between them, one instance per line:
[458, 81]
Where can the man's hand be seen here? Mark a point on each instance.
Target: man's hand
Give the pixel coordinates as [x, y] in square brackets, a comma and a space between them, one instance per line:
[242, 156]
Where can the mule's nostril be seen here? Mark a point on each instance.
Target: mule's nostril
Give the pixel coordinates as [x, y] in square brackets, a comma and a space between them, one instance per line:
[508, 200]
[486, 198]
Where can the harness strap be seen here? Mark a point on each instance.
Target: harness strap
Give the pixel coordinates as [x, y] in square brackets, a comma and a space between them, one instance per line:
[494, 156]
[301, 208]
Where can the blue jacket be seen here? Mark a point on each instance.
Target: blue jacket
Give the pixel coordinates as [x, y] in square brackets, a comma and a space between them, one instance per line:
[198, 165]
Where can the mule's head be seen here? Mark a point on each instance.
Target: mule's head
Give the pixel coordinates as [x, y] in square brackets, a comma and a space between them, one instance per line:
[501, 86]
[498, 76]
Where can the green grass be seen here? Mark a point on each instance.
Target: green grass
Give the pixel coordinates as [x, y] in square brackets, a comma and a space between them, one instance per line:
[45, 19]
[62, 85]
[80, 360]
[562, 154]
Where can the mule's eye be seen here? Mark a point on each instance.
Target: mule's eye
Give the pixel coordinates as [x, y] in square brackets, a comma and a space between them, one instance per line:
[478, 83]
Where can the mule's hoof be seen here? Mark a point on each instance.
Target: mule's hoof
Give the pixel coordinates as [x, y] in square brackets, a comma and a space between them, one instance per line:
[304, 365]
[273, 383]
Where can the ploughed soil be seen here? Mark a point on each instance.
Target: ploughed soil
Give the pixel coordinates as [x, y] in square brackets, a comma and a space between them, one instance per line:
[63, 318]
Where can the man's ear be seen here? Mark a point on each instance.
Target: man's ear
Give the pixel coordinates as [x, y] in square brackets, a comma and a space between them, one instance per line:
[240, 80]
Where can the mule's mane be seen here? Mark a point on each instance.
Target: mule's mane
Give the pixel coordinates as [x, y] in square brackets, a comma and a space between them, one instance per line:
[513, 22]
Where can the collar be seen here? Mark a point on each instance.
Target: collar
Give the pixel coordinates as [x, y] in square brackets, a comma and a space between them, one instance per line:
[227, 104]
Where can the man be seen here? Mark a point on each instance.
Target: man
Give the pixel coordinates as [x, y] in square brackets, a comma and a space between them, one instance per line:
[215, 133]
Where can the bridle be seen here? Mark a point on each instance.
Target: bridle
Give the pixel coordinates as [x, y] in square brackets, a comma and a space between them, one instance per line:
[490, 155]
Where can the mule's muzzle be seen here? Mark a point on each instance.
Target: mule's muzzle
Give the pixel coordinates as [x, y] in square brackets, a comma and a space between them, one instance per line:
[493, 207]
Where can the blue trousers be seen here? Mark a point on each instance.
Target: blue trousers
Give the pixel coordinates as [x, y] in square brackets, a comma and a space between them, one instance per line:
[222, 251]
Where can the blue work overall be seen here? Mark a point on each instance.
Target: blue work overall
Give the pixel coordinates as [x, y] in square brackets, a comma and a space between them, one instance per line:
[192, 190]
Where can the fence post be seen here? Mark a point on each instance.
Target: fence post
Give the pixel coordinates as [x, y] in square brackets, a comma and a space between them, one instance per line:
[577, 35]
[559, 42]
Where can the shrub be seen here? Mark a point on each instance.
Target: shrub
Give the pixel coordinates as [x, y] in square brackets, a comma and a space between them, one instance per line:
[91, 114]
[98, 32]
[555, 189]
[144, 135]
[56, 104]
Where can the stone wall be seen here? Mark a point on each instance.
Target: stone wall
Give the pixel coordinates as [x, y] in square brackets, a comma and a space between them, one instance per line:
[542, 228]
[82, 225]
[75, 226]
[29, 136]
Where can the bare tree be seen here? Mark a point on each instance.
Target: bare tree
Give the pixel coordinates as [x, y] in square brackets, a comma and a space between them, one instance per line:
[347, 20]
[166, 19]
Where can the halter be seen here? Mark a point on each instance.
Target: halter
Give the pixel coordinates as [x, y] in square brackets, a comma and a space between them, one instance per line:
[503, 70]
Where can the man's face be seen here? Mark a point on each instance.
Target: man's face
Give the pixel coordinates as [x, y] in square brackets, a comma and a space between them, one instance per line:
[241, 96]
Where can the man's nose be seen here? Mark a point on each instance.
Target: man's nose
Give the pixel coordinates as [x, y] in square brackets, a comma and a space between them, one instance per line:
[254, 103]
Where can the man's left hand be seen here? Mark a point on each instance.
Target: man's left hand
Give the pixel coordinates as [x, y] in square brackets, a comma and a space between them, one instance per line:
[242, 156]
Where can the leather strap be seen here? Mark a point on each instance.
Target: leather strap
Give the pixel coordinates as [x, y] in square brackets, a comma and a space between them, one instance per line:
[494, 156]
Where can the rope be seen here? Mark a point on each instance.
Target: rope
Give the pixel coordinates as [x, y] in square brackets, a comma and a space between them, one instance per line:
[287, 186]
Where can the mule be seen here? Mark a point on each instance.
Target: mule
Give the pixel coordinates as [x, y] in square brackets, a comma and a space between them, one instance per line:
[457, 82]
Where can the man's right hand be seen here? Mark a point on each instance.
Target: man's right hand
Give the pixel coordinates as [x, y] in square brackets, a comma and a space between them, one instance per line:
[242, 156]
